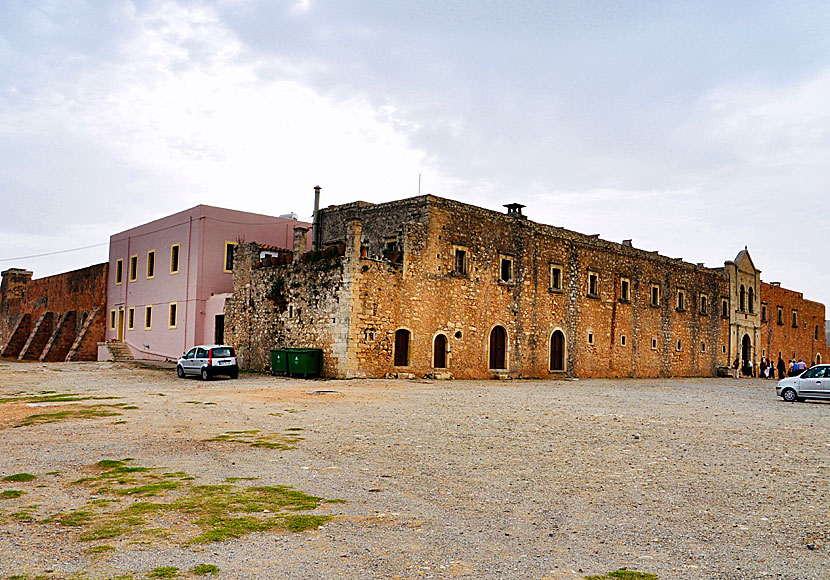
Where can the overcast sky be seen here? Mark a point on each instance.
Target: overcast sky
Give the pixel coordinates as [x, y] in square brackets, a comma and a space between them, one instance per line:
[695, 128]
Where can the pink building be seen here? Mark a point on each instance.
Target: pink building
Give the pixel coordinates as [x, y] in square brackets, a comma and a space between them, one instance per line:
[168, 279]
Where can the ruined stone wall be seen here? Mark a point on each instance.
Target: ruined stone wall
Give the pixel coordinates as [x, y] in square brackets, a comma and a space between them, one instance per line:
[805, 340]
[295, 305]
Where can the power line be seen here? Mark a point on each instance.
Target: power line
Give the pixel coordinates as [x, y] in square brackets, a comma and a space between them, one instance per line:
[53, 253]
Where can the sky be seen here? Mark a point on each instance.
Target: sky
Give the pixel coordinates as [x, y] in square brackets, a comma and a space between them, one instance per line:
[694, 128]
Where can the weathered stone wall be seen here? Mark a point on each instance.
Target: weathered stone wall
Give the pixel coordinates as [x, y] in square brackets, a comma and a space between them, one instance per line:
[805, 340]
[354, 311]
[82, 291]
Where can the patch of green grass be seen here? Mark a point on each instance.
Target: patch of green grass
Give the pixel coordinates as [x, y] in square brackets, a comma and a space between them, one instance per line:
[75, 518]
[164, 572]
[25, 513]
[301, 523]
[122, 422]
[53, 397]
[235, 479]
[91, 412]
[100, 549]
[112, 463]
[11, 493]
[254, 439]
[20, 477]
[129, 407]
[203, 569]
[623, 574]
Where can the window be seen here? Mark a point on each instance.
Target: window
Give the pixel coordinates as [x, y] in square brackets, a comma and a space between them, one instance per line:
[112, 319]
[704, 304]
[119, 271]
[460, 262]
[131, 319]
[171, 315]
[653, 344]
[622, 340]
[151, 264]
[780, 315]
[593, 284]
[506, 273]
[681, 299]
[702, 347]
[655, 295]
[625, 290]
[590, 338]
[556, 278]
[723, 348]
[763, 312]
[229, 248]
[751, 294]
[174, 259]
[795, 318]
[148, 317]
[742, 297]
[679, 345]
[816, 335]
[724, 308]
[133, 268]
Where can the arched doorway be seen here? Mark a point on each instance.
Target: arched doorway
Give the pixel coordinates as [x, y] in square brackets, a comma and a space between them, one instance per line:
[401, 347]
[746, 354]
[439, 352]
[498, 342]
[557, 351]
[818, 358]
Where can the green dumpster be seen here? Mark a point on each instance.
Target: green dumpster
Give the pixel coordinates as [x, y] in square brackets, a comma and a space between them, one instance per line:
[279, 362]
[304, 361]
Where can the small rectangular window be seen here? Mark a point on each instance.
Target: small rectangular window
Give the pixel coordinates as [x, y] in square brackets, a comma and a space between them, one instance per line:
[625, 290]
[174, 259]
[460, 262]
[556, 278]
[590, 338]
[763, 312]
[131, 318]
[724, 308]
[119, 271]
[172, 314]
[702, 347]
[151, 264]
[593, 284]
[723, 348]
[681, 299]
[148, 317]
[112, 319]
[506, 271]
[679, 345]
[704, 304]
[655, 295]
[781, 315]
[795, 318]
[622, 340]
[229, 248]
[133, 268]
[653, 344]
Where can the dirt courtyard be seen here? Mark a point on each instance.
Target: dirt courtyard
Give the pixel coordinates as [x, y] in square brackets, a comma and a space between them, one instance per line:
[139, 474]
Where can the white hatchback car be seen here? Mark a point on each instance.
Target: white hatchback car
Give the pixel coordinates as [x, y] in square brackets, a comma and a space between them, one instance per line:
[814, 383]
[207, 361]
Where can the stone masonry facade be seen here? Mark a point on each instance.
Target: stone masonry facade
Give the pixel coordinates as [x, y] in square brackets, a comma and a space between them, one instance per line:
[56, 318]
[429, 286]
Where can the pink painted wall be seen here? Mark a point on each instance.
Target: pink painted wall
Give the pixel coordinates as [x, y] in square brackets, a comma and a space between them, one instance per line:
[201, 233]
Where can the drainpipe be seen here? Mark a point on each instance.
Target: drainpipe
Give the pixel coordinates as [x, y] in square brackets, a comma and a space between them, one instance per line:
[315, 238]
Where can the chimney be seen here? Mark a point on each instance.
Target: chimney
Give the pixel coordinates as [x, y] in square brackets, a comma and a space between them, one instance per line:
[300, 241]
[515, 210]
[315, 234]
[628, 243]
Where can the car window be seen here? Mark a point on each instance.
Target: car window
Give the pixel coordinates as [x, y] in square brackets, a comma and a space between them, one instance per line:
[201, 353]
[222, 352]
[191, 353]
[813, 373]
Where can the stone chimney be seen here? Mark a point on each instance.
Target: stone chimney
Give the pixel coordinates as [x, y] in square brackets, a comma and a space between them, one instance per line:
[515, 210]
[628, 243]
[300, 241]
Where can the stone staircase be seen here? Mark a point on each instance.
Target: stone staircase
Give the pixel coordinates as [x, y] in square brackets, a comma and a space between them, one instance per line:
[120, 351]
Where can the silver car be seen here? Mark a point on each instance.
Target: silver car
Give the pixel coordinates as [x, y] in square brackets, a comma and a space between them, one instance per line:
[207, 361]
[814, 383]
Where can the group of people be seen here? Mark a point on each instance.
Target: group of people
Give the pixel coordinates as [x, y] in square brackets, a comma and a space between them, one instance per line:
[767, 369]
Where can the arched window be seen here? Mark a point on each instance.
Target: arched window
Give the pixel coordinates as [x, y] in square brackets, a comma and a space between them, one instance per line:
[818, 358]
[498, 348]
[557, 351]
[751, 300]
[402, 347]
[439, 352]
[743, 298]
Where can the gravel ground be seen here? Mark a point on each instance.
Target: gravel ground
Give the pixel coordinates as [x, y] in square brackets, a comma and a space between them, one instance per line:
[684, 478]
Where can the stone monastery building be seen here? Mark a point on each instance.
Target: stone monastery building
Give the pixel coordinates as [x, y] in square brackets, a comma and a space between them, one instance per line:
[430, 286]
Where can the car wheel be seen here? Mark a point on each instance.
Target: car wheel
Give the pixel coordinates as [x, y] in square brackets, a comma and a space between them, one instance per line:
[205, 374]
[235, 375]
[180, 371]
[789, 396]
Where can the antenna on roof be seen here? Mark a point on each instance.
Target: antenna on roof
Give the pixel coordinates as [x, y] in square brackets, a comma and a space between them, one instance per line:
[419, 184]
